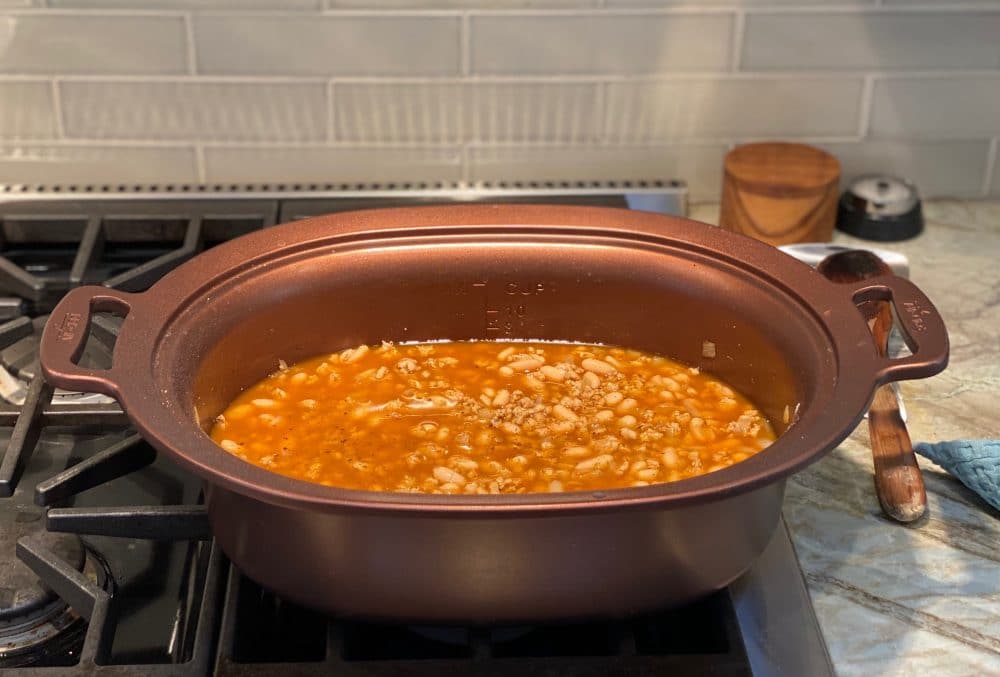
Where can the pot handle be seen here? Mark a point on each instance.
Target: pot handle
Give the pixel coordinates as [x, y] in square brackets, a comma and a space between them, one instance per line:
[65, 335]
[923, 328]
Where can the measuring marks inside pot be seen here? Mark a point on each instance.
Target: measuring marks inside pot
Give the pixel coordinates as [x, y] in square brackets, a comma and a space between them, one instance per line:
[508, 304]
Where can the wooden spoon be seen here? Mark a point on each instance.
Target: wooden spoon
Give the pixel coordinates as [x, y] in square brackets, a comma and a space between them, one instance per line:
[898, 482]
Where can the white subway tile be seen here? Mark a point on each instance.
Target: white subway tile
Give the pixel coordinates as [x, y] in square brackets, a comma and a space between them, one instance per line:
[938, 168]
[728, 107]
[700, 165]
[946, 105]
[458, 4]
[317, 164]
[729, 3]
[376, 44]
[473, 111]
[600, 43]
[216, 111]
[190, 4]
[82, 43]
[871, 40]
[27, 110]
[939, 3]
[51, 164]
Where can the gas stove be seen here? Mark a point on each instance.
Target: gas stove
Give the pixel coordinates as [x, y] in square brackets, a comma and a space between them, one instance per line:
[107, 566]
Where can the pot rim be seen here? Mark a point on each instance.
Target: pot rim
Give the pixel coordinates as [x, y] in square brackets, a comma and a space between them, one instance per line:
[151, 315]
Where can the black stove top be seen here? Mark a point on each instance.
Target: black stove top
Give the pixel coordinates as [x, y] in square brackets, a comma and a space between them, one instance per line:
[107, 566]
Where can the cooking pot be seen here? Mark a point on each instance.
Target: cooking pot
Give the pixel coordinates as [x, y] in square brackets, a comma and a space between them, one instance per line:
[792, 341]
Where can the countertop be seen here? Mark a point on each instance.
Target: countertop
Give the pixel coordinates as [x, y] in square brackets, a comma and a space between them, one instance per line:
[921, 599]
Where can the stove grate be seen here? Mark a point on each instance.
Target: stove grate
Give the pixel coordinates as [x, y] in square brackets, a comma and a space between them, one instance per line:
[264, 635]
[95, 604]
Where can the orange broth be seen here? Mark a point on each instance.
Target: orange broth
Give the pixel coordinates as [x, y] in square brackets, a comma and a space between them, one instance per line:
[488, 417]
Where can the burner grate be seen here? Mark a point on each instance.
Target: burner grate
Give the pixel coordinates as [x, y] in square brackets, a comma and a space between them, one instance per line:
[94, 603]
[263, 635]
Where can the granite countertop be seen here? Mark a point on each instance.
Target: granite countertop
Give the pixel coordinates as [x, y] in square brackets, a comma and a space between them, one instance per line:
[920, 599]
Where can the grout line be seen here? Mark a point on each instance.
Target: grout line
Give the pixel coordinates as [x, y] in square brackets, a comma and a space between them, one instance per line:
[677, 76]
[75, 142]
[637, 143]
[25, 78]
[571, 78]
[696, 8]
[878, 8]
[199, 159]
[182, 78]
[600, 10]
[46, 10]
[57, 104]
[628, 142]
[991, 165]
[736, 44]
[192, 56]
[865, 113]
[465, 44]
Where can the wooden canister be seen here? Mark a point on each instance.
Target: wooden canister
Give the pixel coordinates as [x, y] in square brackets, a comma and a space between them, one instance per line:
[780, 192]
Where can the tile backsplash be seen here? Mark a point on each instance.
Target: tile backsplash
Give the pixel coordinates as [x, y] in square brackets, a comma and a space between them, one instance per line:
[314, 91]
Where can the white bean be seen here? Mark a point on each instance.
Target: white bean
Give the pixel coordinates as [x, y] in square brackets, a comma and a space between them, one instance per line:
[270, 419]
[594, 463]
[443, 474]
[626, 405]
[565, 413]
[463, 463]
[552, 373]
[353, 354]
[669, 457]
[533, 383]
[597, 366]
[526, 364]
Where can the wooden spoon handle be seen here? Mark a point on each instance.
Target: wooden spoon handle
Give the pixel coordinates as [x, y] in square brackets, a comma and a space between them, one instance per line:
[898, 482]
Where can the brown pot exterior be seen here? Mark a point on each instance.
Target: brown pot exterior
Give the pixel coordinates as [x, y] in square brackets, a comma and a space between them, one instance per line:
[792, 341]
[438, 569]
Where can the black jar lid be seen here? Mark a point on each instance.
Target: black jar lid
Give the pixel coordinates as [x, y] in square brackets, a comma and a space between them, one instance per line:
[882, 208]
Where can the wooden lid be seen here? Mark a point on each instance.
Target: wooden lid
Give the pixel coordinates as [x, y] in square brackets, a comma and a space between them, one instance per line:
[781, 168]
